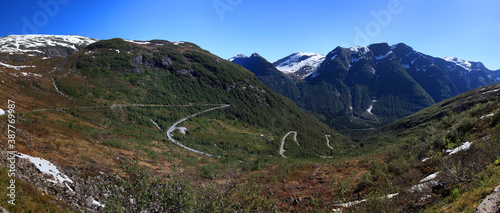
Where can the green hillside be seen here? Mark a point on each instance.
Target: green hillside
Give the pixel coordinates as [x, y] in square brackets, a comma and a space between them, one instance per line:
[116, 71]
[169, 127]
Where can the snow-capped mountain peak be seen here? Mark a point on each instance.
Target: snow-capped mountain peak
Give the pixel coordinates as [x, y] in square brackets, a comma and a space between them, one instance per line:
[255, 55]
[301, 63]
[362, 50]
[459, 62]
[237, 56]
[38, 44]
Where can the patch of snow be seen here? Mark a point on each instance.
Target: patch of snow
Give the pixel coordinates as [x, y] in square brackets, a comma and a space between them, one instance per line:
[463, 147]
[358, 53]
[20, 44]
[347, 205]
[487, 116]
[370, 108]
[333, 57]
[137, 42]
[491, 91]
[356, 59]
[47, 167]
[95, 202]
[69, 187]
[30, 74]
[358, 49]
[430, 177]
[237, 56]
[14, 67]
[383, 56]
[301, 60]
[422, 186]
[179, 42]
[391, 196]
[459, 62]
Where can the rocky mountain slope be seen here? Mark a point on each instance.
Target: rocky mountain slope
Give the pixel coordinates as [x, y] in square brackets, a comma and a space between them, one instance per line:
[95, 108]
[268, 74]
[101, 129]
[378, 84]
[299, 65]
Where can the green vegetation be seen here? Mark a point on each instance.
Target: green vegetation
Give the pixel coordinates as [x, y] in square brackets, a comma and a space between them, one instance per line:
[101, 128]
[173, 75]
[470, 174]
[270, 76]
[27, 197]
[180, 194]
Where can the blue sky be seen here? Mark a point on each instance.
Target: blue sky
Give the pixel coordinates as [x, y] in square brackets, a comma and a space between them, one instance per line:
[466, 29]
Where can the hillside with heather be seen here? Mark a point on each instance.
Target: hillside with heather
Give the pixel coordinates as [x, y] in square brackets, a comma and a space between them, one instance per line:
[157, 126]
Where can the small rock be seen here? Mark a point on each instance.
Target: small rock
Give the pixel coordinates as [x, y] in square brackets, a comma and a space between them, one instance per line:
[71, 193]
[89, 201]
[61, 185]
[2, 210]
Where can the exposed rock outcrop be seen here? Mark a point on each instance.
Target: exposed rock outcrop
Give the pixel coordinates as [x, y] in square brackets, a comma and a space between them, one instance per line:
[491, 204]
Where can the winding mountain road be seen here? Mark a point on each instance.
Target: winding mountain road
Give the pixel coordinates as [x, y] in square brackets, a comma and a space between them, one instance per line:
[174, 127]
[282, 150]
[171, 128]
[124, 105]
[328, 141]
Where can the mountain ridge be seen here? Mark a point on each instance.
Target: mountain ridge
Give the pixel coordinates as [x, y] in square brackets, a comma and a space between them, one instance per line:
[349, 81]
[97, 119]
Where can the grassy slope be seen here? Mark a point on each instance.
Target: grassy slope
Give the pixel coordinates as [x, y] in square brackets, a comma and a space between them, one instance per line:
[384, 162]
[106, 138]
[194, 76]
[471, 174]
